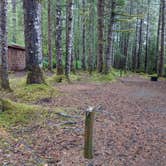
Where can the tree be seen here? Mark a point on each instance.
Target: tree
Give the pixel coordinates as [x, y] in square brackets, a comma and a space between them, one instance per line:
[33, 41]
[49, 36]
[100, 34]
[14, 21]
[83, 36]
[161, 62]
[69, 36]
[110, 32]
[3, 46]
[59, 37]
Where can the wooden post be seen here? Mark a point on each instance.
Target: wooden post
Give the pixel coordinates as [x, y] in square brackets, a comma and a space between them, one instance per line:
[89, 123]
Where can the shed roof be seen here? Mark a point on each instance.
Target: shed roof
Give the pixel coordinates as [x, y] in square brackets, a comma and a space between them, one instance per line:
[16, 47]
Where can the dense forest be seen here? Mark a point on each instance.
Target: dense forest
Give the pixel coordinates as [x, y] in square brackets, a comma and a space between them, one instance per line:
[94, 35]
[93, 64]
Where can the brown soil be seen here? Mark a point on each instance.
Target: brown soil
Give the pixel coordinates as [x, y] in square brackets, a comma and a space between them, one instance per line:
[131, 131]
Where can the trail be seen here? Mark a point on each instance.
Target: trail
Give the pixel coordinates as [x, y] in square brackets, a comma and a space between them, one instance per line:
[131, 131]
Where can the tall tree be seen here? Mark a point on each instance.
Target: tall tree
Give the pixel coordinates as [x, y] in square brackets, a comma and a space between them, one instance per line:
[147, 39]
[59, 37]
[4, 82]
[83, 36]
[69, 36]
[158, 40]
[110, 32]
[49, 36]
[161, 63]
[14, 21]
[100, 34]
[33, 41]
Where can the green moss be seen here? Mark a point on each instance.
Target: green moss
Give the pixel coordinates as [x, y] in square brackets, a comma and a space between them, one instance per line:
[16, 113]
[31, 93]
[113, 75]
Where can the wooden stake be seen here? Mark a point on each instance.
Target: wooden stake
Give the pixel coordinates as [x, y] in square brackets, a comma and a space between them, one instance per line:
[89, 123]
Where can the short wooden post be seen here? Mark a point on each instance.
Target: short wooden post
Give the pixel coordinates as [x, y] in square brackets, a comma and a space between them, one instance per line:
[89, 123]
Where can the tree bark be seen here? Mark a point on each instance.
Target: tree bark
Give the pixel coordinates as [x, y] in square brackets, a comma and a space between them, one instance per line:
[162, 51]
[83, 37]
[69, 37]
[49, 37]
[4, 82]
[147, 41]
[110, 32]
[139, 45]
[59, 38]
[14, 21]
[100, 34]
[33, 41]
[158, 41]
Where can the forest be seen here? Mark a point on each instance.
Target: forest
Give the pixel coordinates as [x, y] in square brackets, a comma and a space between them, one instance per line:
[82, 82]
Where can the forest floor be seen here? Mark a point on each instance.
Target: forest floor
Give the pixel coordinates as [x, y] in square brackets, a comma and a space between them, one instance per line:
[130, 131]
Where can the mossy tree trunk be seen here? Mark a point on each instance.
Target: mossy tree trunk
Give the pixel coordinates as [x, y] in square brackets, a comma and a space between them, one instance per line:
[4, 80]
[33, 41]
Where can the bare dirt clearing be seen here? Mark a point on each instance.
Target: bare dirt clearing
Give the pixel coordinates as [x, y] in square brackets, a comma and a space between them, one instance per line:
[130, 132]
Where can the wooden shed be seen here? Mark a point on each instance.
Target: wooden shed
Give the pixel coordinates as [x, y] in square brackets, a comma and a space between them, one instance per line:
[16, 58]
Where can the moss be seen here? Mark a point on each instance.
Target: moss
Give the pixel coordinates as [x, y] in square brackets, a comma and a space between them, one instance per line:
[113, 75]
[31, 93]
[35, 92]
[16, 113]
[62, 78]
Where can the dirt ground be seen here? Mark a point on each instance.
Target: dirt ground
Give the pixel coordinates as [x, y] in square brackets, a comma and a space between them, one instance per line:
[130, 131]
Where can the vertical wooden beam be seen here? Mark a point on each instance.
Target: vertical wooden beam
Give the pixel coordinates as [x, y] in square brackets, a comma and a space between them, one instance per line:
[89, 123]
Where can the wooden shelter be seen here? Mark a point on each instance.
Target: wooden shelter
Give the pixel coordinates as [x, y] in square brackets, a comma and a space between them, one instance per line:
[16, 58]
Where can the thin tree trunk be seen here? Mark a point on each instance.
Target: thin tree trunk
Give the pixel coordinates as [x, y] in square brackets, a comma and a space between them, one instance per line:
[110, 32]
[4, 80]
[33, 41]
[14, 21]
[49, 36]
[83, 37]
[100, 34]
[69, 37]
[158, 41]
[140, 45]
[59, 38]
[161, 63]
[134, 56]
[147, 41]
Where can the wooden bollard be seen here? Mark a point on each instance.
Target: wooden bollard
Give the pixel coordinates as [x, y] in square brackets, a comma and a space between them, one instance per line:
[89, 123]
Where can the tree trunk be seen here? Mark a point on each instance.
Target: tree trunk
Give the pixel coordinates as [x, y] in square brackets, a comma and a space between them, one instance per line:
[158, 41]
[14, 21]
[59, 38]
[49, 36]
[83, 37]
[33, 41]
[110, 31]
[69, 37]
[161, 63]
[140, 44]
[147, 41]
[4, 82]
[100, 34]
